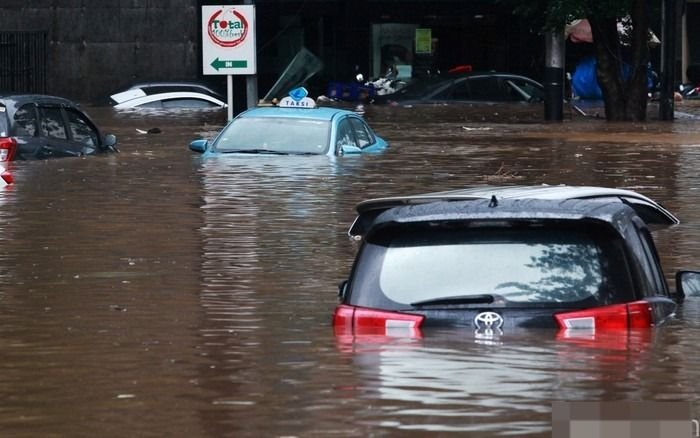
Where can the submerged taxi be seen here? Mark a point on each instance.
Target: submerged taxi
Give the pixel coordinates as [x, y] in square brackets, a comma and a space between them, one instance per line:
[297, 126]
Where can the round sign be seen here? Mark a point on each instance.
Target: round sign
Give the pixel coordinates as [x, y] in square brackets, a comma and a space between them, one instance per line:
[227, 28]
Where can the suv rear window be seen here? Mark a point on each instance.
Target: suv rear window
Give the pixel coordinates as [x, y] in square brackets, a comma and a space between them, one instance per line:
[520, 265]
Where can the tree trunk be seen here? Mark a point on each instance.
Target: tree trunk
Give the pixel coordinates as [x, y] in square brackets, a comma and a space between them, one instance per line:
[624, 93]
[638, 81]
[609, 66]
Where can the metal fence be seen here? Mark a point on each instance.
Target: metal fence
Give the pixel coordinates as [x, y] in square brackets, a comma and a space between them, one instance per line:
[23, 61]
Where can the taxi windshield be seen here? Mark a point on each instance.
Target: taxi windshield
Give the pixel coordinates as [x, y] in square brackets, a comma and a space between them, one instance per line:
[275, 135]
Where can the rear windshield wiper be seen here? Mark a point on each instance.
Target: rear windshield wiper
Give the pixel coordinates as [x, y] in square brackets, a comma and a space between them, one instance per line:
[460, 299]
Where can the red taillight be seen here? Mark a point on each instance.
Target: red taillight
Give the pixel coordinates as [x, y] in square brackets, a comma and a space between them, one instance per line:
[640, 314]
[342, 318]
[360, 318]
[617, 316]
[8, 147]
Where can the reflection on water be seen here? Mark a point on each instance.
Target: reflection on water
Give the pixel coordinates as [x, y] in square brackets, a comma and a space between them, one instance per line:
[151, 292]
[451, 381]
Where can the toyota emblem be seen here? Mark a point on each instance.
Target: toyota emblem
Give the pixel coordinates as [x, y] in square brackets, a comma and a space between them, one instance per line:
[488, 321]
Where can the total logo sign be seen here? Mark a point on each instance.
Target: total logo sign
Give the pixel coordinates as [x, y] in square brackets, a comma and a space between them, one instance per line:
[227, 28]
[228, 40]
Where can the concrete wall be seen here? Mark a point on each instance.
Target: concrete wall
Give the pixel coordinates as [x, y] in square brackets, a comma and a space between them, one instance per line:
[99, 46]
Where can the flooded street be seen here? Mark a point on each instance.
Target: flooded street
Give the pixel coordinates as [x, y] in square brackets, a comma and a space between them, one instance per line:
[154, 293]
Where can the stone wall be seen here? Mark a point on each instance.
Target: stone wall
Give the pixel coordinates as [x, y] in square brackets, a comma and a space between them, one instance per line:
[99, 46]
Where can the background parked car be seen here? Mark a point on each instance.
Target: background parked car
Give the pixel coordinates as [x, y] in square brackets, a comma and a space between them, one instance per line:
[168, 95]
[466, 88]
[40, 126]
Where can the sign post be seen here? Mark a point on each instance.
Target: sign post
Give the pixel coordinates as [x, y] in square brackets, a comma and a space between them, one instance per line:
[228, 43]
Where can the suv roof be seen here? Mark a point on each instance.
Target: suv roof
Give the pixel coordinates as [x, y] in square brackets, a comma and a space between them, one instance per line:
[652, 213]
[21, 99]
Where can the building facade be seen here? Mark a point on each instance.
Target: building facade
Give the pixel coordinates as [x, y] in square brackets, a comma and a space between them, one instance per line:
[96, 47]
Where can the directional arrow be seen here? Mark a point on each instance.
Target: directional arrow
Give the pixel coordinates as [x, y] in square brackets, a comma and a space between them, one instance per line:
[219, 63]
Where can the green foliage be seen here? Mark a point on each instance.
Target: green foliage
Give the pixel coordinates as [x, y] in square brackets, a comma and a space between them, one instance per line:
[625, 99]
[545, 15]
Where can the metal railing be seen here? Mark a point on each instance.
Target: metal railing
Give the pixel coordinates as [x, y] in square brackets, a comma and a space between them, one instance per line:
[23, 61]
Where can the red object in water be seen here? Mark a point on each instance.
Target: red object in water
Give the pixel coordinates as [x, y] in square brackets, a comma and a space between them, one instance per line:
[466, 68]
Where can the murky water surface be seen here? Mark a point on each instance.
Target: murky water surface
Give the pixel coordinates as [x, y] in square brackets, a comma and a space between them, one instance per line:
[151, 293]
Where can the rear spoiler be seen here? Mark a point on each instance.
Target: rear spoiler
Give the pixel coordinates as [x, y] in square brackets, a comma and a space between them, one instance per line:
[652, 213]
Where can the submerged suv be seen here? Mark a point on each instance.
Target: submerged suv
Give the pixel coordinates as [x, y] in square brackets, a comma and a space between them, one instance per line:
[34, 126]
[497, 259]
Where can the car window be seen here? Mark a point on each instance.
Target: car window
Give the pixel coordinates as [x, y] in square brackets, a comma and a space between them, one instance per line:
[512, 93]
[346, 134]
[25, 120]
[52, 123]
[420, 88]
[652, 265]
[460, 90]
[4, 126]
[81, 129]
[486, 89]
[362, 134]
[187, 103]
[519, 86]
[158, 89]
[152, 104]
[530, 265]
[4, 123]
[283, 134]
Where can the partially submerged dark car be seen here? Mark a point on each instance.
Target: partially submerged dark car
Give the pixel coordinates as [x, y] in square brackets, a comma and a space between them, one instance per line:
[469, 88]
[496, 259]
[36, 126]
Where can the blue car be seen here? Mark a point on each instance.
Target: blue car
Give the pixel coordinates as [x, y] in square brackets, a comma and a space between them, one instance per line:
[295, 127]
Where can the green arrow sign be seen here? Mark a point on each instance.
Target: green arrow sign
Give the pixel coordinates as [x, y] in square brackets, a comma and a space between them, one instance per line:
[220, 63]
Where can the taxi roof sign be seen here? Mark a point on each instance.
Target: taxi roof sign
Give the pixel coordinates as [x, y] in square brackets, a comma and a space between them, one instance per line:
[298, 98]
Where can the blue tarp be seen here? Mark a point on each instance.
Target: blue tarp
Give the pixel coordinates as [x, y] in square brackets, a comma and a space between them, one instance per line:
[585, 82]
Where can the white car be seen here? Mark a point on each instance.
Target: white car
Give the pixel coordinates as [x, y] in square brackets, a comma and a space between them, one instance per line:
[168, 95]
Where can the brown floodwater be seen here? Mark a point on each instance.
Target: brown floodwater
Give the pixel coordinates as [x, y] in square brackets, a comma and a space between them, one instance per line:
[154, 293]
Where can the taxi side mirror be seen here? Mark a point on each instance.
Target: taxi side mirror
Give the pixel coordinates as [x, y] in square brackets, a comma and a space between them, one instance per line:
[199, 146]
